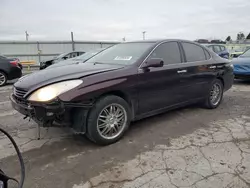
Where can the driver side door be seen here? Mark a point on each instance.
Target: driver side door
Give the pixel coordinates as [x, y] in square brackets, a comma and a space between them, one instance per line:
[159, 87]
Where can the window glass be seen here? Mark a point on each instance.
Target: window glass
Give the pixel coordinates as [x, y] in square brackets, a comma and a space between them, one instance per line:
[193, 52]
[169, 52]
[217, 49]
[80, 53]
[222, 48]
[67, 56]
[74, 54]
[123, 53]
[246, 53]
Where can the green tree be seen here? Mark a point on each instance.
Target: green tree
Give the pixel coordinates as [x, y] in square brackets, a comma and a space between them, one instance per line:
[248, 36]
[240, 36]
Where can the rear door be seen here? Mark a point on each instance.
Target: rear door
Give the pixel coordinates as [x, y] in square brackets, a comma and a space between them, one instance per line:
[197, 71]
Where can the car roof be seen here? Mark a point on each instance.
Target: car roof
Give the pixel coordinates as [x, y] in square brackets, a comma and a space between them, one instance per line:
[214, 45]
[161, 40]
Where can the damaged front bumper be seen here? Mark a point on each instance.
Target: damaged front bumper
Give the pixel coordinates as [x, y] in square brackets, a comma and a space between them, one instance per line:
[45, 114]
[42, 112]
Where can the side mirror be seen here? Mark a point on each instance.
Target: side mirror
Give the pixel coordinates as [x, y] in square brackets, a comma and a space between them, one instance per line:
[65, 57]
[154, 62]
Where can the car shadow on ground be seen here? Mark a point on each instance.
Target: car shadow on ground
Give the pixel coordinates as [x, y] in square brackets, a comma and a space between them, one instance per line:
[242, 82]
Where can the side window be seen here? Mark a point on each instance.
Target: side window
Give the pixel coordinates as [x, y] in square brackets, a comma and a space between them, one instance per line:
[210, 47]
[66, 56]
[80, 53]
[193, 52]
[73, 54]
[169, 52]
[217, 49]
[222, 48]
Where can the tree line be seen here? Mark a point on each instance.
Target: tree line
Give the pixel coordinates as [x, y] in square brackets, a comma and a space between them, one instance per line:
[240, 36]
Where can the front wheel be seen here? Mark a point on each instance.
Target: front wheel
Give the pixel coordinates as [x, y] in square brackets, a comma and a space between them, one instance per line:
[108, 120]
[215, 95]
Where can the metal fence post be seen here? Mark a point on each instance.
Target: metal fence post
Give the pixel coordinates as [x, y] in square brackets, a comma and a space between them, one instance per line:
[73, 42]
[38, 51]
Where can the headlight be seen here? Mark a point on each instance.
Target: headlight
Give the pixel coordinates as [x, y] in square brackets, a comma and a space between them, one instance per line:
[50, 92]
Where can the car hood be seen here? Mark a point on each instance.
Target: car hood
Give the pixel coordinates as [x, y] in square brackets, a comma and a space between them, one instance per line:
[241, 60]
[62, 73]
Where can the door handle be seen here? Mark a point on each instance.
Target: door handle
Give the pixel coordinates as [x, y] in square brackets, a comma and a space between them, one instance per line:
[181, 71]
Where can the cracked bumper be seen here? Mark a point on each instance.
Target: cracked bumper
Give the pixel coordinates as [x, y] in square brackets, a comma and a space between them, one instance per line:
[72, 114]
[42, 112]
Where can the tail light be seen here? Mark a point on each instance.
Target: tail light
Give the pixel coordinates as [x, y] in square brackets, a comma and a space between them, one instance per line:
[14, 63]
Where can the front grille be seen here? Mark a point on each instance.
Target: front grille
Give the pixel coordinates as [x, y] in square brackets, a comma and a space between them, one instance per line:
[21, 101]
[19, 92]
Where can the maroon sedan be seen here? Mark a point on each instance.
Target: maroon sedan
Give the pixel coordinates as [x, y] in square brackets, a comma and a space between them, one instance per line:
[124, 83]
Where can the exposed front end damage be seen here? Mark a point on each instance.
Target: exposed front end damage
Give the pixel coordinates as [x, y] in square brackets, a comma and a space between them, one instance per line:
[53, 113]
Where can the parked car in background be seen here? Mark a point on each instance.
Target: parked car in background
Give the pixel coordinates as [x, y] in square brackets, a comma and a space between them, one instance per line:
[217, 41]
[124, 83]
[61, 57]
[10, 68]
[219, 49]
[242, 66]
[202, 41]
[239, 51]
[80, 59]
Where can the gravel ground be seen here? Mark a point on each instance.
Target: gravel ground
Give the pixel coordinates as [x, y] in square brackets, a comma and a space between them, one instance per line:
[188, 147]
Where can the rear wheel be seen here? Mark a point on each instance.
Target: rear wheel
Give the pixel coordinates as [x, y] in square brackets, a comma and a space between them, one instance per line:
[108, 120]
[3, 78]
[215, 95]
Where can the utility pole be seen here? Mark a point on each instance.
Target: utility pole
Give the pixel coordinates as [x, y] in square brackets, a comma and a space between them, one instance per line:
[143, 35]
[72, 40]
[27, 35]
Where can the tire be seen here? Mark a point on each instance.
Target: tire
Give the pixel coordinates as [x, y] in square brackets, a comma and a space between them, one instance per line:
[98, 116]
[209, 102]
[3, 78]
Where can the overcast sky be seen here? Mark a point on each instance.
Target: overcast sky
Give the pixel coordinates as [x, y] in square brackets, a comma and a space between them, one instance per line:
[115, 19]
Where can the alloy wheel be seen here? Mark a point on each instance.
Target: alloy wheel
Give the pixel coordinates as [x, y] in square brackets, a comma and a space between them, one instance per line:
[215, 94]
[111, 121]
[2, 79]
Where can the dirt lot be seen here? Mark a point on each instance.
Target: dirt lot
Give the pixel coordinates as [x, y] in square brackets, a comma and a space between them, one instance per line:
[189, 147]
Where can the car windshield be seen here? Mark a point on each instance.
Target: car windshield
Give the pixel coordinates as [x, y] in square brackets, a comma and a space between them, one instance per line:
[87, 55]
[124, 53]
[2, 57]
[246, 53]
[60, 56]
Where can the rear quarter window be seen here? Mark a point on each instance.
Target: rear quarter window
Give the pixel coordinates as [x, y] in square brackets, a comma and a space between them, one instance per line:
[223, 48]
[217, 49]
[193, 52]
